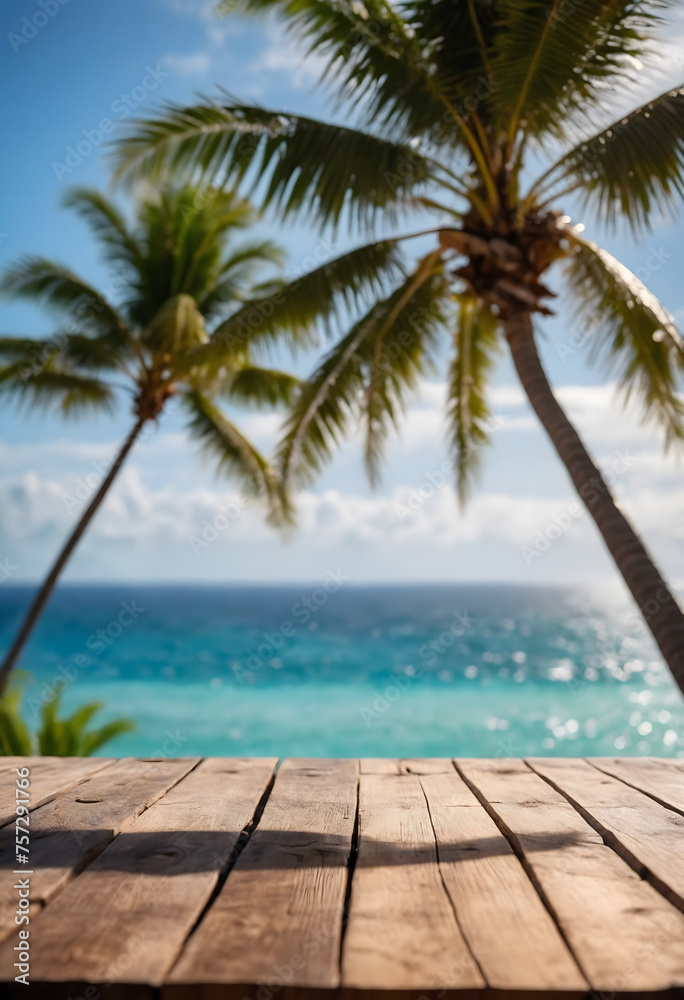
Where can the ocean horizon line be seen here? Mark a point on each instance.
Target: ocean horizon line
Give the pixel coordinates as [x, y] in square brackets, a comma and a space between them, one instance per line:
[282, 584]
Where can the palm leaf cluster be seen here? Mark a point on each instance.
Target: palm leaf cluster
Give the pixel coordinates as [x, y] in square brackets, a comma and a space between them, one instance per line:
[449, 100]
[444, 109]
[179, 276]
[65, 736]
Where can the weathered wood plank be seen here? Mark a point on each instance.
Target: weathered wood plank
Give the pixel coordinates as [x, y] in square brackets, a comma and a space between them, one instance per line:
[71, 830]
[624, 935]
[405, 765]
[156, 877]
[279, 915]
[511, 934]
[661, 778]
[124, 918]
[401, 931]
[426, 765]
[49, 776]
[6, 763]
[379, 765]
[646, 834]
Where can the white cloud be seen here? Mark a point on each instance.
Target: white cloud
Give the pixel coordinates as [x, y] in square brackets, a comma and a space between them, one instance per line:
[665, 67]
[190, 64]
[217, 29]
[596, 411]
[163, 496]
[652, 76]
[82, 455]
[133, 511]
[284, 54]
[507, 396]
[31, 505]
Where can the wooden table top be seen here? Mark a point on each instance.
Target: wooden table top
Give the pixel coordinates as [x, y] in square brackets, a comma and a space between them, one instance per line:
[374, 878]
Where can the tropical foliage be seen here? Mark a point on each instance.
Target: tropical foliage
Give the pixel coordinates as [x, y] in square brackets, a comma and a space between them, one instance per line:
[457, 94]
[180, 292]
[453, 104]
[186, 321]
[55, 737]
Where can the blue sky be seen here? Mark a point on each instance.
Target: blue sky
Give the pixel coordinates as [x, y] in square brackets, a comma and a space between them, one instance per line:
[67, 67]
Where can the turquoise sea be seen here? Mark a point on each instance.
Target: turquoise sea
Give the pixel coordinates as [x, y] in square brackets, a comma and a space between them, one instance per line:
[331, 669]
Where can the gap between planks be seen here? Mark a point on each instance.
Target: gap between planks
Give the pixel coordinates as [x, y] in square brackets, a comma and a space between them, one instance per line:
[157, 878]
[567, 860]
[282, 905]
[647, 834]
[660, 778]
[426, 773]
[72, 829]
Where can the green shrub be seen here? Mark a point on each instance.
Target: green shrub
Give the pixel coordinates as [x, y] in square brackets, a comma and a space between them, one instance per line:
[56, 737]
[14, 736]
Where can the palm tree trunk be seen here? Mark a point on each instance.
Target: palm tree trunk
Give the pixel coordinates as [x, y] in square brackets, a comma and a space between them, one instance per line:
[43, 595]
[659, 608]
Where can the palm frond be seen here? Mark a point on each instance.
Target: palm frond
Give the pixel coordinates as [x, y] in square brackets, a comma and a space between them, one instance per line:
[373, 54]
[222, 295]
[26, 348]
[337, 391]
[70, 736]
[262, 386]
[551, 63]
[320, 415]
[184, 233]
[73, 350]
[469, 415]
[233, 453]
[39, 280]
[632, 169]
[107, 224]
[636, 338]
[259, 252]
[457, 40]
[321, 294]
[50, 387]
[103, 353]
[15, 740]
[236, 276]
[94, 739]
[402, 343]
[310, 166]
[178, 327]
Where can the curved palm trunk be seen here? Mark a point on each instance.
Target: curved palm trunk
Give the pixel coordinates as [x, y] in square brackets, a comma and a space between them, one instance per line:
[42, 597]
[659, 608]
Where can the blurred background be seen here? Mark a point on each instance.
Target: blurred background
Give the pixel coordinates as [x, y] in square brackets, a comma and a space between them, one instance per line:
[547, 655]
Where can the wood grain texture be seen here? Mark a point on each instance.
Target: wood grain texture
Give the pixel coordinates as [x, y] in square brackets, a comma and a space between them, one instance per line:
[401, 931]
[511, 934]
[405, 765]
[156, 877]
[624, 935]
[662, 779]
[646, 833]
[49, 777]
[379, 765]
[426, 765]
[68, 832]
[450, 889]
[278, 918]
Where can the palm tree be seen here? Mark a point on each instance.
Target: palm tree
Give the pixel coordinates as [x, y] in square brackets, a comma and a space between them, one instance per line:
[181, 278]
[457, 101]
